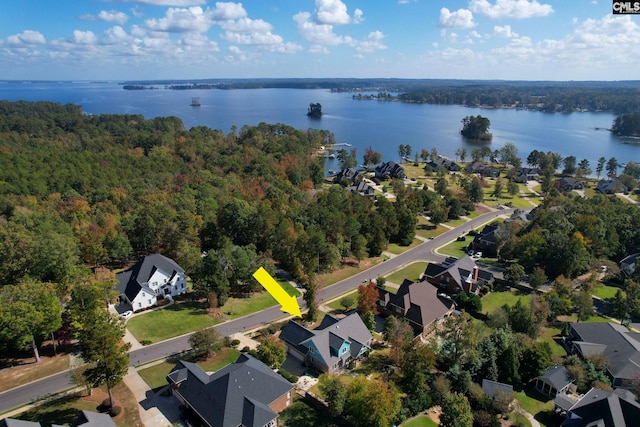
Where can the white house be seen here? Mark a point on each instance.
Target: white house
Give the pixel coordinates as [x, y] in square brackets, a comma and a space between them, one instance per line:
[152, 277]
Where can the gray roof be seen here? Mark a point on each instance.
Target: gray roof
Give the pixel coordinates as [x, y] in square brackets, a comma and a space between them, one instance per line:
[610, 186]
[622, 348]
[419, 301]
[564, 401]
[94, 419]
[598, 407]
[133, 280]
[557, 376]
[11, 422]
[628, 264]
[238, 394]
[328, 337]
[493, 387]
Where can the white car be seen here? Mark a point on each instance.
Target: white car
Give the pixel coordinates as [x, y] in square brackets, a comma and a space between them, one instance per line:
[125, 315]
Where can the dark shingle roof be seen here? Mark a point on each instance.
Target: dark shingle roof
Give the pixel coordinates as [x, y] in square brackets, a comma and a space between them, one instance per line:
[557, 376]
[598, 407]
[133, 280]
[461, 270]
[622, 348]
[493, 387]
[94, 419]
[328, 337]
[238, 394]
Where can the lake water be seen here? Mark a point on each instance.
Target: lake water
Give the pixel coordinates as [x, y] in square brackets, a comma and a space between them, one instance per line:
[381, 125]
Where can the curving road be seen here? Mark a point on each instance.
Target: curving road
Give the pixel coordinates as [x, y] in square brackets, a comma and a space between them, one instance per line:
[424, 252]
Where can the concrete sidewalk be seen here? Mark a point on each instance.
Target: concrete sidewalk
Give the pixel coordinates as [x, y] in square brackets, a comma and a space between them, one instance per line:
[155, 410]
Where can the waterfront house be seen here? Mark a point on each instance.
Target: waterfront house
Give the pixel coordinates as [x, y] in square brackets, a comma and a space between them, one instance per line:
[568, 183]
[611, 186]
[389, 170]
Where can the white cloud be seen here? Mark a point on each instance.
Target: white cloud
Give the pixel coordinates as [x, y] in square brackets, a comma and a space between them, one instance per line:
[316, 48]
[182, 20]
[27, 37]
[461, 18]
[332, 12]
[321, 34]
[372, 43]
[107, 16]
[504, 31]
[84, 37]
[198, 41]
[358, 16]
[518, 9]
[252, 38]
[475, 34]
[116, 35]
[225, 11]
[247, 25]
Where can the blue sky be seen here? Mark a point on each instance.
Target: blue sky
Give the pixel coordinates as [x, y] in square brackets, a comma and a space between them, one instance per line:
[191, 39]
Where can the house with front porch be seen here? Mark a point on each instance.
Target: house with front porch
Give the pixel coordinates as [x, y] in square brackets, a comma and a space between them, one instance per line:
[154, 276]
[455, 275]
[332, 345]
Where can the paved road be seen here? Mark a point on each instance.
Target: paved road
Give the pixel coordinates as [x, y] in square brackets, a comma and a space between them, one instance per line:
[424, 252]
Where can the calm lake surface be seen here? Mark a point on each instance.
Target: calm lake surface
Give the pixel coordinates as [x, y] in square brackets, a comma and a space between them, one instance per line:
[381, 125]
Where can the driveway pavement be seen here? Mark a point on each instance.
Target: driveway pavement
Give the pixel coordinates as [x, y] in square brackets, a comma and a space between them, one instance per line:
[155, 410]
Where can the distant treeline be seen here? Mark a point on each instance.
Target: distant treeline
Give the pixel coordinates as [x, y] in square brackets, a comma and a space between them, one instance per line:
[627, 125]
[619, 97]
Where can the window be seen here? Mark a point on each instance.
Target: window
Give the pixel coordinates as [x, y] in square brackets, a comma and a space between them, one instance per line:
[311, 350]
[139, 305]
[149, 301]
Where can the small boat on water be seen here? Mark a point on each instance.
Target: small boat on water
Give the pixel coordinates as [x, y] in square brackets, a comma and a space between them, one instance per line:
[195, 101]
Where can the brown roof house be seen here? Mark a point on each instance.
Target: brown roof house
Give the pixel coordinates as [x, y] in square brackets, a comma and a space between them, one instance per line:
[418, 303]
[330, 346]
[245, 393]
[455, 275]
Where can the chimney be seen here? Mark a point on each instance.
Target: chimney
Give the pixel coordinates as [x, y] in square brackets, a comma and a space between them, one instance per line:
[475, 273]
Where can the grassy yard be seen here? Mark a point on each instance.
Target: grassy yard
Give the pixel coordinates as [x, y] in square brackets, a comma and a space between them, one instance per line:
[495, 300]
[420, 421]
[605, 292]
[550, 334]
[337, 306]
[178, 319]
[412, 272]
[538, 405]
[454, 248]
[328, 279]
[155, 376]
[63, 411]
[238, 307]
[397, 249]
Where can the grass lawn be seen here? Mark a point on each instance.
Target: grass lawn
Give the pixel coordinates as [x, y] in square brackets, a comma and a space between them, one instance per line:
[397, 249]
[428, 231]
[420, 421]
[592, 319]
[337, 306]
[390, 289]
[495, 300]
[155, 376]
[64, 411]
[22, 374]
[548, 334]
[605, 292]
[178, 319]
[348, 270]
[456, 222]
[454, 248]
[538, 405]
[412, 272]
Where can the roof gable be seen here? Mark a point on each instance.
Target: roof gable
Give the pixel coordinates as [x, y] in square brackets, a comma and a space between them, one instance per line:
[135, 279]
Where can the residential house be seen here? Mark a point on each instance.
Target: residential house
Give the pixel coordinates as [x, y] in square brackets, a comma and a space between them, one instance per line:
[362, 189]
[493, 388]
[330, 346]
[611, 186]
[524, 175]
[600, 408]
[348, 176]
[486, 241]
[390, 170]
[628, 265]
[152, 277]
[483, 170]
[616, 343]
[443, 162]
[567, 184]
[245, 393]
[553, 381]
[418, 303]
[455, 275]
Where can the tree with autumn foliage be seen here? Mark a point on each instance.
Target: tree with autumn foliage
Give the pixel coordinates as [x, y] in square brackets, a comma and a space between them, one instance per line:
[372, 403]
[367, 303]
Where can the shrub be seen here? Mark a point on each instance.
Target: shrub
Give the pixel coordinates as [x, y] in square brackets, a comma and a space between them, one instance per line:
[115, 411]
[146, 342]
[235, 343]
[288, 375]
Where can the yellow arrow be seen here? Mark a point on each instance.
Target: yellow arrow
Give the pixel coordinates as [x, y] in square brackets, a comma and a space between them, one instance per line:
[289, 303]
